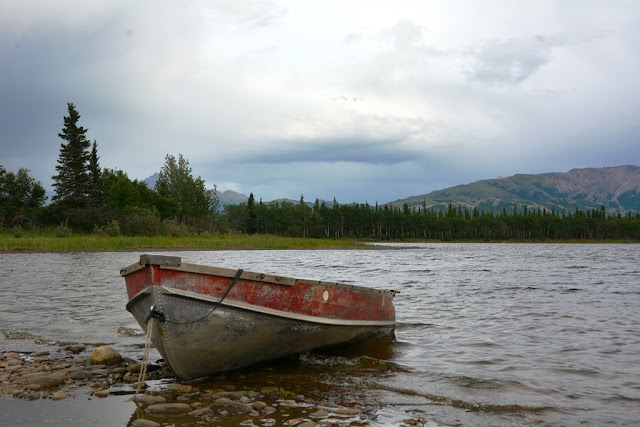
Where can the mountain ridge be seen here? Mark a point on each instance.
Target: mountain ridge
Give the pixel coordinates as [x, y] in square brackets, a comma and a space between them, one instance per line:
[617, 188]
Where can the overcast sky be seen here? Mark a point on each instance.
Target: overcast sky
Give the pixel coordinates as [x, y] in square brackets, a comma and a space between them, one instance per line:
[359, 100]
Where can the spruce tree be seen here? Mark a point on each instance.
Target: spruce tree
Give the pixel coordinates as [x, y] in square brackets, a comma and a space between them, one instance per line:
[94, 174]
[72, 183]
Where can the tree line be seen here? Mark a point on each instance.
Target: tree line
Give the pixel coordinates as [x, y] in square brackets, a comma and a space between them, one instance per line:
[92, 200]
[361, 220]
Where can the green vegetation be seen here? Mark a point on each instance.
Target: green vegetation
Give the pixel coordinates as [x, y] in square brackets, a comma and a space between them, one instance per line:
[50, 241]
[359, 221]
[97, 209]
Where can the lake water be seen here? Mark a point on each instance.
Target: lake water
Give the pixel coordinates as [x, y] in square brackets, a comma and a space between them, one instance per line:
[488, 334]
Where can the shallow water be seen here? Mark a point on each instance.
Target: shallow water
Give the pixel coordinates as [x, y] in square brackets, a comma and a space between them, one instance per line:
[488, 334]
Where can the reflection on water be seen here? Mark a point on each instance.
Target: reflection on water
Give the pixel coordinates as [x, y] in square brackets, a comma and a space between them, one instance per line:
[491, 334]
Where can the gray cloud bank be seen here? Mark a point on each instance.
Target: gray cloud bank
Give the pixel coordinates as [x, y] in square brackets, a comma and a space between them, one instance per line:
[370, 101]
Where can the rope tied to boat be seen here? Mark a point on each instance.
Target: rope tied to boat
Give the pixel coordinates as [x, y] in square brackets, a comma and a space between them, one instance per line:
[145, 358]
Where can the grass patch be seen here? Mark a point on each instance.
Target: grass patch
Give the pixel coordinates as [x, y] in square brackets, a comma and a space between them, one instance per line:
[92, 242]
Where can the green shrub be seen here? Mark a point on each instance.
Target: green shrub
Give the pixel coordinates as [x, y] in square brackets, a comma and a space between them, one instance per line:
[113, 229]
[176, 229]
[62, 231]
[142, 222]
[17, 231]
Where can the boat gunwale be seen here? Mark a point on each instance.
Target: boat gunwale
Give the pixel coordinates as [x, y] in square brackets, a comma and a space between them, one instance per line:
[260, 309]
[248, 275]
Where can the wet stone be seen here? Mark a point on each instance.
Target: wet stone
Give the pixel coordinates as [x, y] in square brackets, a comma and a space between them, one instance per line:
[144, 423]
[169, 408]
[200, 412]
[105, 355]
[75, 348]
[181, 388]
[130, 377]
[11, 355]
[44, 380]
[227, 405]
[32, 396]
[319, 414]
[146, 399]
[259, 405]
[346, 411]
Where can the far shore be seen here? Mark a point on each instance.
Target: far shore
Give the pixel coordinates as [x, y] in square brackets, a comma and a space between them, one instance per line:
[94, 243]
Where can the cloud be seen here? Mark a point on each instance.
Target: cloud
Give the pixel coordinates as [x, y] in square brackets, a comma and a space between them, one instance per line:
[281, 97]
[335, 150]
[508, 62]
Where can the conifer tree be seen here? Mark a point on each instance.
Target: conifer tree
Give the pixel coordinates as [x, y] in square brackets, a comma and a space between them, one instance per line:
[94, 174]
[72, 183]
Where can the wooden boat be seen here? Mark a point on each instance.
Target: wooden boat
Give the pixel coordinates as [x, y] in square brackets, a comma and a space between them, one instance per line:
[212, 319]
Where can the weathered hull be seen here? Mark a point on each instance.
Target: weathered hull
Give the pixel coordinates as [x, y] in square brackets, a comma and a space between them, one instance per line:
[206, 328]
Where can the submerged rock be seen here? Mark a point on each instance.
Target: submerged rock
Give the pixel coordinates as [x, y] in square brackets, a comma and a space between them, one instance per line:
[145, 423]
[75, 348]
[231, 406]
[169, 408]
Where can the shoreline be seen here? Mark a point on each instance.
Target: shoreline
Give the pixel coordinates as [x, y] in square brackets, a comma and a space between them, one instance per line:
[90, 243]
[68, 376]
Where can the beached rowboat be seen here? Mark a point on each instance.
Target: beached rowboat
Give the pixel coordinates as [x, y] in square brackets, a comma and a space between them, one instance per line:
[212, 319]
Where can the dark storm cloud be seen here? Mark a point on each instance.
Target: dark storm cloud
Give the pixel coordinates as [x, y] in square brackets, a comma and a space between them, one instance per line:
[403, 99]
[352, 150]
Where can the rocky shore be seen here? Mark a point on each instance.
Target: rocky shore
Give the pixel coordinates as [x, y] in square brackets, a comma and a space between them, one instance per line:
[71, 371]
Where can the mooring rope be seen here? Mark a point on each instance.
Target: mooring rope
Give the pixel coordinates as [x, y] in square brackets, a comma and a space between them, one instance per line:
[145, 361]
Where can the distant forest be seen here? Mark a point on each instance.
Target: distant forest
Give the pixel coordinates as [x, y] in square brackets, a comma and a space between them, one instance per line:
[105, 201]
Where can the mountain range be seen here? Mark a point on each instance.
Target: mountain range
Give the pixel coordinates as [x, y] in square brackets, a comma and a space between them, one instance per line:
[616, 188]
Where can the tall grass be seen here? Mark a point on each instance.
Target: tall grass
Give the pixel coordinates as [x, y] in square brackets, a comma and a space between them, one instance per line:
[94, 242]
